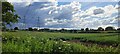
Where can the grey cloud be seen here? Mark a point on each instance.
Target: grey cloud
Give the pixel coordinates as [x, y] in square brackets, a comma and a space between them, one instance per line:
[98, 11]
[53, 16]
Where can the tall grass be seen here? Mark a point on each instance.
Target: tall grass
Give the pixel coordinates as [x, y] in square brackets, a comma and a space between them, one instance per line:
[45, 42]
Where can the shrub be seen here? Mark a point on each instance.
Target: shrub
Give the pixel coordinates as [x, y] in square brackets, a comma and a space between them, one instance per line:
[16, 28]
[30, 29]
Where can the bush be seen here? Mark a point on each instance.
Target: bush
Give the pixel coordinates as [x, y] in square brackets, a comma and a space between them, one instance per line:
[35, 29]
[16, 28]
[100, 29]
[30, 29]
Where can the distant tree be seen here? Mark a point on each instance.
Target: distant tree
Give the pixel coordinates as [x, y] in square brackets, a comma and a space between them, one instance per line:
[46, 29]
[100, 29]
[41, 30]
[16, 28]
[118, 29]
[62, 30]
[30, 29]
[82, 29]
[87, 29]
[35, 29]
[92, 29]
[109, 28]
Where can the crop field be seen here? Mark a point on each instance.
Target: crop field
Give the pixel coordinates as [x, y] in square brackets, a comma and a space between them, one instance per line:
[28, 41]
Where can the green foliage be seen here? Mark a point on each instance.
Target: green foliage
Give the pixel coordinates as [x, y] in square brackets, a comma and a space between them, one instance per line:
[100, 29]
[8, 13]
[109, 28]
[27, 41]
[16, 28]
[30, 29]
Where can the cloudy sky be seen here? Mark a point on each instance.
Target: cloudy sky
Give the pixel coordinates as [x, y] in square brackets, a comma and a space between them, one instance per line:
[74, 14]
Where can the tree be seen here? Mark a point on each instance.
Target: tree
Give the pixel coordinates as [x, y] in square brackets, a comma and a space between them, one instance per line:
[109, 28]
[8, 14]
[87, 29]
[118, 29]
[62, 30]
[16, 28]
[30, 29]
[82, 29]
[35, 29]
[46, 29]
[100, 29]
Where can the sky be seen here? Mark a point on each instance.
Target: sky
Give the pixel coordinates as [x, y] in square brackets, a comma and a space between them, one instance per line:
[64, 14]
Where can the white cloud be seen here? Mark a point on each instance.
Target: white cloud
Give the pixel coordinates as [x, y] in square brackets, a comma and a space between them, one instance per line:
[31, 0]
[60, 14]
[71, 15]
[28, 2]
[106, 16]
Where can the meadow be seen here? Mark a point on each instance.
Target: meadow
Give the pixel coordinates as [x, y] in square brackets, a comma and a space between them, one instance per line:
[33, 41]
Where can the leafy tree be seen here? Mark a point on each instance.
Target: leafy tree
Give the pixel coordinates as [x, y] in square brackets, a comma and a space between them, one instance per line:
[30, 29]
[16, 28]
[47, 29]
[82, 29]
[109, 28]
[35, 29]
[62, 30]
[87, 29]
[100, 29]
[118, 29]
[8, 14]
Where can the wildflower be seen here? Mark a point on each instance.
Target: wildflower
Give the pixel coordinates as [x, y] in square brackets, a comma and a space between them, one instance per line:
[64, 41]
[33, 37]
[71, 50]
[56, 42]
[45, 51]
[28, 41]
[42, 39]
[5, 38]
[110, 46]
[59, 47]
[41, 42]
[61, 40]
[47, 40]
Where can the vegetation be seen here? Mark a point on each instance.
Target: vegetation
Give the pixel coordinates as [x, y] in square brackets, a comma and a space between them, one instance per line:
[8, 14]
[16, 28]
[100, 29]
[47, 40]
[108, 29]
[28, 41]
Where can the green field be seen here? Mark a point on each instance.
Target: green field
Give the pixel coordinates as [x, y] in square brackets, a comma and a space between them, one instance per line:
[28, 41]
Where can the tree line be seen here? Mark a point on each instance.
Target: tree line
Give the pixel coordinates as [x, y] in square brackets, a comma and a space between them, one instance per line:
[108, 29]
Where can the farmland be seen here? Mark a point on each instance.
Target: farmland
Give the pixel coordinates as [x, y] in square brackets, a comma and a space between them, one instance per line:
[28, 41]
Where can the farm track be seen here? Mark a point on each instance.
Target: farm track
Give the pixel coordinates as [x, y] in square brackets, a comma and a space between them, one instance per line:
[87, 42]
[91, 43]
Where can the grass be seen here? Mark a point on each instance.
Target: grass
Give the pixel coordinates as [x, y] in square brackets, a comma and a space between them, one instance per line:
[26, 41]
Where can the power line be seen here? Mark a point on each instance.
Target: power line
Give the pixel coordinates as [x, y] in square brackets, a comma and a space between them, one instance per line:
[24, 26]
[38, 22]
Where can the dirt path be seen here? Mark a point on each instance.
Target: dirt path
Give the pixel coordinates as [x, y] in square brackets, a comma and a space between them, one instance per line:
[91, 43]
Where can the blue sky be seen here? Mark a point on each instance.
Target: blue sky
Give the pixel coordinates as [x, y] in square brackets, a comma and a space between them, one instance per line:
[66, 14]
[86, 5]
